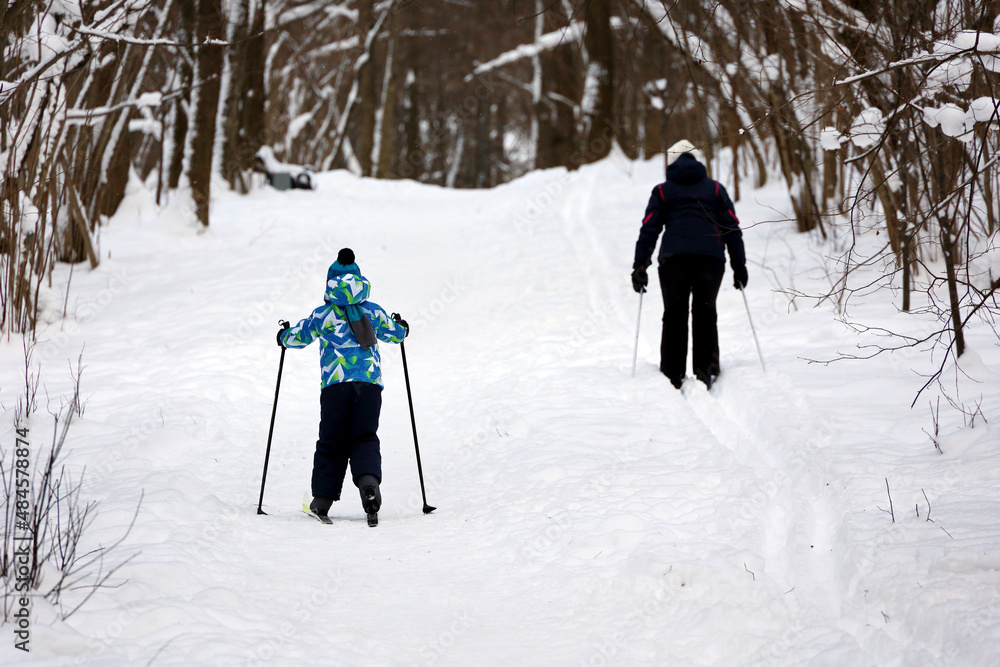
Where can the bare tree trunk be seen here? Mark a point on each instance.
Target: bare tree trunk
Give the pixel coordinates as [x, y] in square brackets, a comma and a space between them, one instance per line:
[654, 132]
[797, 164]
[387, 129]
[907, 203]
[497, 148]
[598, 103]
[482, 147]
[831, 173]
[201, 142]
[237, 54]
[112, 190]
[565, 81]
[948, 248]
[178, 132]
[253, 116]
[540, 121]
[890, 205]
[413, 159]
[367, 88]
[182, 103]
[989, 199]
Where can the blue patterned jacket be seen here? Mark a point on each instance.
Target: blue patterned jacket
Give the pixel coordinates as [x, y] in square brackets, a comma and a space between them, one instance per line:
[341, 357]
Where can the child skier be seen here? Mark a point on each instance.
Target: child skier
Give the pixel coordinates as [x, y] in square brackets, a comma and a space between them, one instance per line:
[347, 326]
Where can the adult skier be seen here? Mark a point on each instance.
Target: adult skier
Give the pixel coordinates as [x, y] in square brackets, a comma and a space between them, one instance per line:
[697, 219]
[347, 326]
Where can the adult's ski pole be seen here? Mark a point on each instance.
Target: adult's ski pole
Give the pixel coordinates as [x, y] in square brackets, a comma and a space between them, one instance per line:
[413, 423]
[638, 319]
[752, 329]
[267, 454]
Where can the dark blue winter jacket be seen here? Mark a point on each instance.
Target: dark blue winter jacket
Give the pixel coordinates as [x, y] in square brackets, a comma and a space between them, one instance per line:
[695, 215]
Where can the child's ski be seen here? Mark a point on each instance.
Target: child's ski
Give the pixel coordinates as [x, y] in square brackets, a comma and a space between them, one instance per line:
[321, 519]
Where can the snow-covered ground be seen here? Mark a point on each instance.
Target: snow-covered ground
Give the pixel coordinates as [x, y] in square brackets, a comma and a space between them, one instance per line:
[585, 517]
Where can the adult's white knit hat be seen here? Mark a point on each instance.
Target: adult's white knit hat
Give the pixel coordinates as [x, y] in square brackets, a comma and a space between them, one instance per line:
[680, 148]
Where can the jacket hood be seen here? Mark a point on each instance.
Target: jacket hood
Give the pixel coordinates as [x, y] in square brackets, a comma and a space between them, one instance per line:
[686, 170]
[346, 289]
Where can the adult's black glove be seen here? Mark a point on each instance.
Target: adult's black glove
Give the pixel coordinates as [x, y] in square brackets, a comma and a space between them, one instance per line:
[639, 278]
[396, 317]
[283, 327]
[740, 276]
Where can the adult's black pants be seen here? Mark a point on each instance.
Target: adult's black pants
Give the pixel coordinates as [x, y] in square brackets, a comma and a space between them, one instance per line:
[690, 285]
[348, 427]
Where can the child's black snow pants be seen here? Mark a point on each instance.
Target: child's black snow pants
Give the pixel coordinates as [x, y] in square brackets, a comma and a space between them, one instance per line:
[349, 413]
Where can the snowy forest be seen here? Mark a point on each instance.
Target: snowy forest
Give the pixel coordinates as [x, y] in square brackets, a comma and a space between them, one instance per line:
[488, 161]
[871, 113]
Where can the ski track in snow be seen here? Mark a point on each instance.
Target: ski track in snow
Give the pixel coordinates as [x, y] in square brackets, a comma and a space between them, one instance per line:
[585, 517]
[778, 481]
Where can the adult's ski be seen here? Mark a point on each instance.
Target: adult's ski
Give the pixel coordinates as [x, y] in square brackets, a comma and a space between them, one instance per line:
[371, 501]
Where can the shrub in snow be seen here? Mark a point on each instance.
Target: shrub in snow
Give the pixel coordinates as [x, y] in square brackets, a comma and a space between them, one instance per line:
[44, 520]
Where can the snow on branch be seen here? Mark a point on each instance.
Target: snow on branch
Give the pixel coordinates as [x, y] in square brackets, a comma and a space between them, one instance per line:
[349, 44]
[146, 100]
[983, 45]
[7, 88]
[571, 33]
[143, 42]
[690, 44]
[304, 11]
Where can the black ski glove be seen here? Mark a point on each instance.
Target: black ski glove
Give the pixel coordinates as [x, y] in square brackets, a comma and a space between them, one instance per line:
[740, 276]
[283, 327]
[639, 278]
[397, 318]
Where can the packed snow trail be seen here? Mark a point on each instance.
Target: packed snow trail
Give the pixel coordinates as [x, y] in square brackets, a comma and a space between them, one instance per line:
[585, 518]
